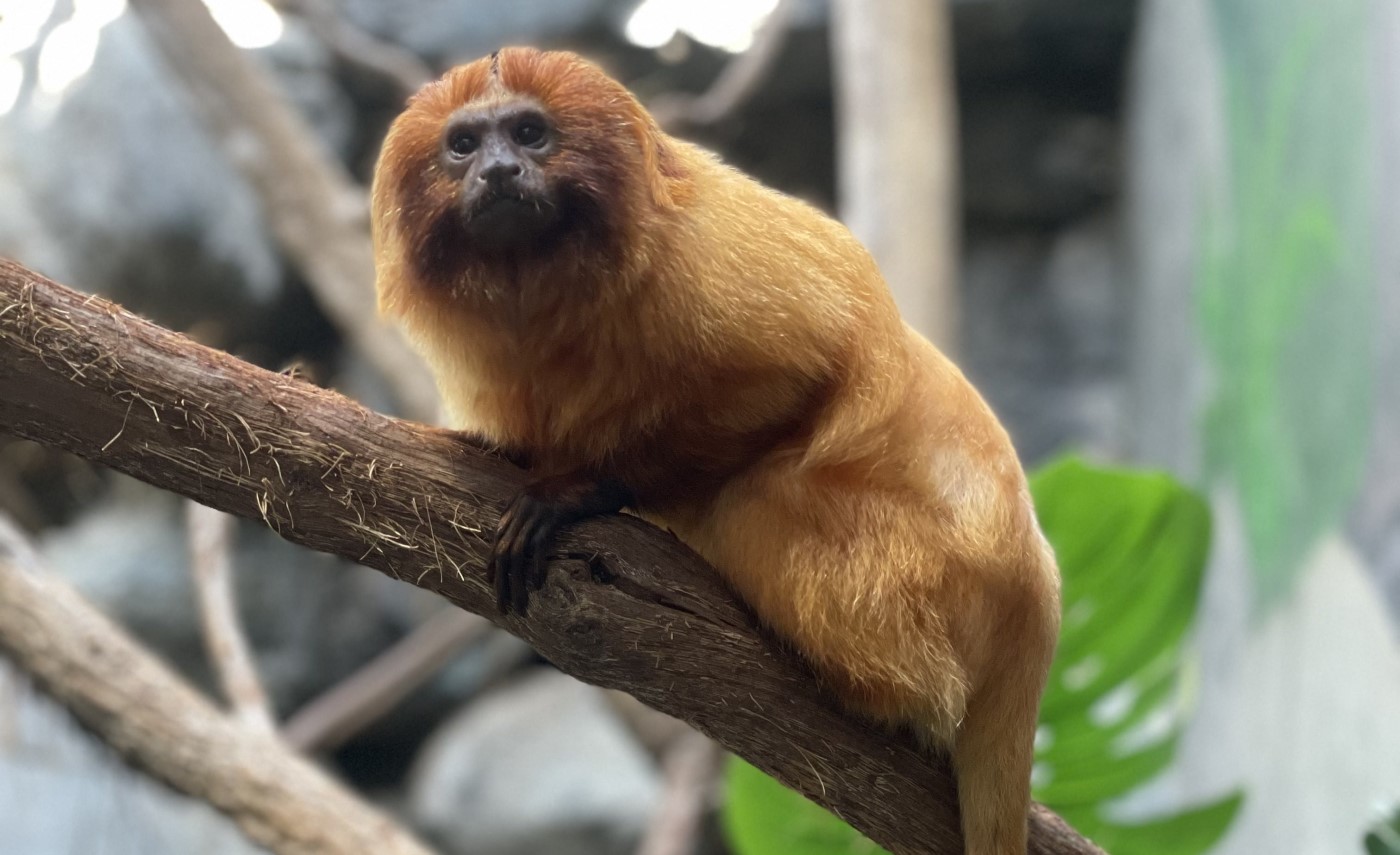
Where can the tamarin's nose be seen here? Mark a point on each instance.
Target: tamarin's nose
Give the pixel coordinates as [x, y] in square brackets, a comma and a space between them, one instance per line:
[500, 174]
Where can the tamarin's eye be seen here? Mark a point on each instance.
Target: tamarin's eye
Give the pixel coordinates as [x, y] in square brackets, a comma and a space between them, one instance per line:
[530, 132]
[461, 142]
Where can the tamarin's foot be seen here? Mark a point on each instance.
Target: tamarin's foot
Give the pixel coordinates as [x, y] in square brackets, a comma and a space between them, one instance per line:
[529, 524]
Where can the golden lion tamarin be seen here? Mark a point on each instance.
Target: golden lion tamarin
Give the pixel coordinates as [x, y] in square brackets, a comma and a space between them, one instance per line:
[645, 327]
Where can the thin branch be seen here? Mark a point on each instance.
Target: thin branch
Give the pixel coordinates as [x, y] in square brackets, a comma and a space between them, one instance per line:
[655, 730]
[737, 83]
[17, 501]
[315, 209]
[691, 767]
[626, 605]
[357, 48]
[163, 725]
[211, 559]
[364, 697]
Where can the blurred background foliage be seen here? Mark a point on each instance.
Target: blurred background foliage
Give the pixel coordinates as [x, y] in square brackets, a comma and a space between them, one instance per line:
[1384, 839]
[1289, 261]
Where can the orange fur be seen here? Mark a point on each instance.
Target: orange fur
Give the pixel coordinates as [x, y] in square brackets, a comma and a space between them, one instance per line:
[734, 357]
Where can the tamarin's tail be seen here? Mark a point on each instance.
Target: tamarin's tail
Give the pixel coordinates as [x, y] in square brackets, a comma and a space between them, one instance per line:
[993, 752]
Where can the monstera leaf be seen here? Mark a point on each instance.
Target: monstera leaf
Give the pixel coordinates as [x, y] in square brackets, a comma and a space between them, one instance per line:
[1384, 839]
[1132, 549]
[763, 817]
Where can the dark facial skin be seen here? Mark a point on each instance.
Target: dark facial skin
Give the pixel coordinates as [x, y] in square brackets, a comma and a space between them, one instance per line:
[497, 153]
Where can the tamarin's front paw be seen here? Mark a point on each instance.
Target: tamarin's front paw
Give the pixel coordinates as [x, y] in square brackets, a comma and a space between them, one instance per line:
[528, 526]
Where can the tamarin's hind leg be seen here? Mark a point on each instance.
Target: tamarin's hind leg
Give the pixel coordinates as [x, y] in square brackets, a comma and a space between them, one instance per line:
[529, 524]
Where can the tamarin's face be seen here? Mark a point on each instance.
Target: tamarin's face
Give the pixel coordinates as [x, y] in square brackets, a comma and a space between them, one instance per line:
[497, 154]
[519, 157]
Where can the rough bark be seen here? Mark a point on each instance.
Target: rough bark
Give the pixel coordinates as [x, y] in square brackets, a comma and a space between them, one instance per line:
[626, 605]
[163, 725]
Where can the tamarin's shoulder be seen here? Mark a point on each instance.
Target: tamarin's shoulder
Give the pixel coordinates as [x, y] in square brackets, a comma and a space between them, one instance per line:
[769, 231]
[709, 182]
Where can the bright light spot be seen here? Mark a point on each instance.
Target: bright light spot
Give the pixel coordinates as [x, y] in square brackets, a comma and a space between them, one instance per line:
[11, 81]
[98, 13]
[1044, 737]
[1114, 706]
[66, 56]
[1080, 612]
[1157, 727]
[651, 25]
[1041, 774]
[726, 24]
[68, 50]
[248, 23]
[20, 22]
[1082, 673]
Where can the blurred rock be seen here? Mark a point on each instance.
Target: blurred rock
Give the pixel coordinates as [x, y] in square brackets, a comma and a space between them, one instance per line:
[449, 31]
[541, 766]
[305, 70]
[63, 790]
[1028, 160]
[113, 185]
[1042, 335]
[1077, 46]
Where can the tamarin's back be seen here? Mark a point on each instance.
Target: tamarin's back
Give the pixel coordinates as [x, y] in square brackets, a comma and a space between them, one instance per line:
[649, 328]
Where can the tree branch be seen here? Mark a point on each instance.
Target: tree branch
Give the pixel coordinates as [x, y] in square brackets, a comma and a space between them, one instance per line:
[317, 212]
[897, 114]
[736, 83]
[626, 606]
[211, 554]
[690, 767]
[156, 720]
[359, 49]
[361, 699]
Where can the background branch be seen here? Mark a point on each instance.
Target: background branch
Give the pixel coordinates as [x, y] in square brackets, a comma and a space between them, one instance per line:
[691, 770]
[316, 210]
[357, 48]
[897, 143]
[736, 83]
[627, 606]
[364, 697]
[211, 554]
[164, 726]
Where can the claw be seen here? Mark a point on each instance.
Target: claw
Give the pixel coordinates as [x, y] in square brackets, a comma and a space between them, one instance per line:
[520, 548]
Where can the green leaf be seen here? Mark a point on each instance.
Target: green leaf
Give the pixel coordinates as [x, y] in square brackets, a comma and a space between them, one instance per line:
[1132, 549]
[1384, 838]
[1187, 833]
[1084, 780]
[763, 817]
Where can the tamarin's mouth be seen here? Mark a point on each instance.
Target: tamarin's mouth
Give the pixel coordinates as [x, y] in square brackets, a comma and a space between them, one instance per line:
[504, 222]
